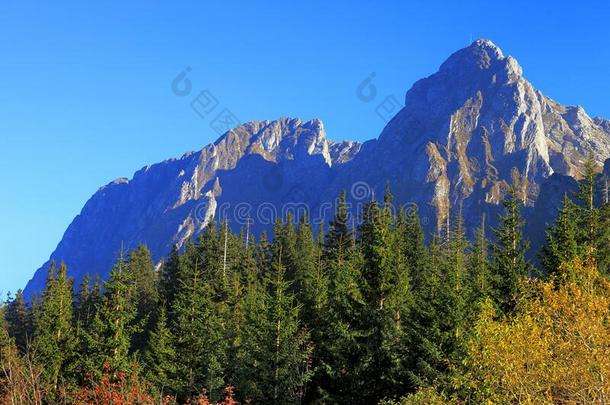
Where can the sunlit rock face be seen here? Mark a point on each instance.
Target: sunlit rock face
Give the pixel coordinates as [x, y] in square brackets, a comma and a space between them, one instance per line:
[464, 134]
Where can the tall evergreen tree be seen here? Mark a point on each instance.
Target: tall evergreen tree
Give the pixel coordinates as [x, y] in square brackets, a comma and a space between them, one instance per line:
[188, 321]
[339, 242]
[276, 350]
[588, 212]
[82, 298]
[456, 289]
[594, 235]
[17, 318]
[562, 239]
[414, 246]
[432, 332]
[160, 356]
[478, 263]
[85, 307]
[111, 331]
[168, 280]
[210, 250]
[439, 326]
[336, 346]
[245, 277]
[509, 264]
[310, 280]
[388, 300]
[144, 295]
[262, 252]
[198, 329]
[54, 338]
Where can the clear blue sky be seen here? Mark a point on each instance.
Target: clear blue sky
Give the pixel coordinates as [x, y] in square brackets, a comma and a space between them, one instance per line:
[85, 86]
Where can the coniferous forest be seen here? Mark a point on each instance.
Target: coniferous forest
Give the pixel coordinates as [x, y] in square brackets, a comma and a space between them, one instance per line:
[377, 312]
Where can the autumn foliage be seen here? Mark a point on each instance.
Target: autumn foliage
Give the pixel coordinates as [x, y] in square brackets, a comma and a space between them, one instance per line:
[122, 388]
[556, 349]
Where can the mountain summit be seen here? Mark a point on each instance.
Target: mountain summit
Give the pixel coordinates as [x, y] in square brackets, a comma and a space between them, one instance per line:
[465, 133]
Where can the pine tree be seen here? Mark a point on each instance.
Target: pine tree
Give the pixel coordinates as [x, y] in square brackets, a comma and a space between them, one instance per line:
[54, 337]
[509, 264]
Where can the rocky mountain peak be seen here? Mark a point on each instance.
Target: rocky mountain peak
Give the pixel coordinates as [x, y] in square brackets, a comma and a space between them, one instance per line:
[481, 54]
[284, 138]
[465, 133]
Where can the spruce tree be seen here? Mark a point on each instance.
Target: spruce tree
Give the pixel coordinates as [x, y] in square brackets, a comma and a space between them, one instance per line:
[438, 326]
[262, 252]
[54, 337]
[85, 306]
[160, 356]
[509, 264]
[276, 351]
[426, 330]
[339, 241]
[144, 295]
[479, 268]
[588, 220]
[168, 281]
[603, 249]
[593, 220]
[310, 280]
[198, 329]
[414, 246]
[456, 289]
[188, 322]
[245, 277]
[336, 348]
[444, 347]
[562, 239]
[387, 294]
[109, 339]
[210, 250]
[17, 318]
[81, 299]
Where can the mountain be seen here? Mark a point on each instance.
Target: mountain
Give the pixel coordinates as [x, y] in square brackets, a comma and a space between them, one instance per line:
[464, 134]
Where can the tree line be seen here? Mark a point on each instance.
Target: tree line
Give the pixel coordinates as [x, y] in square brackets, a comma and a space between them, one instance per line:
[356, 315]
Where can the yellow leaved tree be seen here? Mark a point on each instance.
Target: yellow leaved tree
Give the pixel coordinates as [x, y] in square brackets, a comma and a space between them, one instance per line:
[554, 349]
